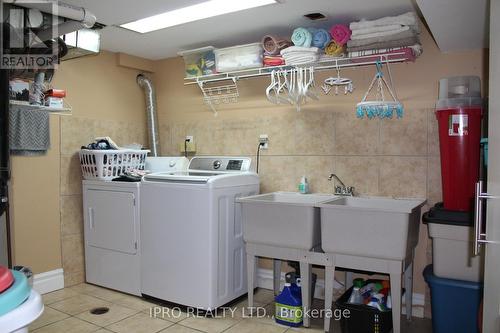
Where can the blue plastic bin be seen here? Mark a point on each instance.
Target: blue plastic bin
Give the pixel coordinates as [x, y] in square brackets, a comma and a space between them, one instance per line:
[455, 304]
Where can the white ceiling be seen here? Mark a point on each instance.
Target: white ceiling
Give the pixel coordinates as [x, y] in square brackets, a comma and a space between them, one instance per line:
[457, 24]
[231, 29]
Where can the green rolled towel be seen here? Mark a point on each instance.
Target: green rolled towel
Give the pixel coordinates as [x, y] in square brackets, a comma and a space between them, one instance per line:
[302, 37]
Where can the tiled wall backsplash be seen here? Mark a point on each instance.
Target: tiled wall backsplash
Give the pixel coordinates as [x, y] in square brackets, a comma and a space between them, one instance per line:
[391, 157]
[75, 132]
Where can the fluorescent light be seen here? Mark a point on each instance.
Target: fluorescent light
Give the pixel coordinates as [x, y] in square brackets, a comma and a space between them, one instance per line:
[193, 13]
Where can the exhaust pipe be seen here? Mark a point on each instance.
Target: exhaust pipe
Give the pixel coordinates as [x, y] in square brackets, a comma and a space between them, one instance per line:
[152, 119]
[79, 18]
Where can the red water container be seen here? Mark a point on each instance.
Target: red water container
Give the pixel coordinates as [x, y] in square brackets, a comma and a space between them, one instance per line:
[459, 139]
[459, 111]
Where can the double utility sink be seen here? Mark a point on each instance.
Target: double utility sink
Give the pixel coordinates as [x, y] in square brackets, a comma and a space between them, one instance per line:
[375, 227]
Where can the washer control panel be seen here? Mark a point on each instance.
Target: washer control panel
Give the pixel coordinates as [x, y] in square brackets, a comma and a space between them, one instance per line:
[220, 164]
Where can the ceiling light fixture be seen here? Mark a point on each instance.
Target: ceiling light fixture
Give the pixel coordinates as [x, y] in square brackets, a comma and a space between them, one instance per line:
[193, 13]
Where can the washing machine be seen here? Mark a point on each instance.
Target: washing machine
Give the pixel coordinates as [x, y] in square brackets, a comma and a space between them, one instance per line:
[191, 233]
[112, 228]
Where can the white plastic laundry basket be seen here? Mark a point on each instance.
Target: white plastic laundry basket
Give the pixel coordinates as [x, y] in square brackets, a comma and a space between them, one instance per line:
[109, 164]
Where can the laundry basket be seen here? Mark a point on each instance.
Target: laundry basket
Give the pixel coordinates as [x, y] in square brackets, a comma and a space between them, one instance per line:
[109, 164]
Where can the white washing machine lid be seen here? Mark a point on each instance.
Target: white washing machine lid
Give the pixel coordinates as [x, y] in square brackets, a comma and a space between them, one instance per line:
[166, 164]
[190, 176]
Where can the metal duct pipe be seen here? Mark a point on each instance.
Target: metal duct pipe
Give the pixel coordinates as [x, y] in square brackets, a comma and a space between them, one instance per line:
[79, 17]
[149, 90]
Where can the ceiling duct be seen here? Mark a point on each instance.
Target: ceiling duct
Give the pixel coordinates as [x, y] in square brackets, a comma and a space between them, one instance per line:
[75, 25]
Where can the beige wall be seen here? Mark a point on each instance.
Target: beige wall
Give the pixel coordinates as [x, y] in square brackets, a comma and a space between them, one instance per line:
[379, 157]
[34, 207]
[46, 191]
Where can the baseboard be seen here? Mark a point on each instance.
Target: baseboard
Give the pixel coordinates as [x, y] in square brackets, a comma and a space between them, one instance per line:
[47, 282]
[265, 280]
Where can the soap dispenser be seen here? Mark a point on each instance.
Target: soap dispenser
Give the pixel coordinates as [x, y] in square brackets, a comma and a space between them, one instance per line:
[303, 185]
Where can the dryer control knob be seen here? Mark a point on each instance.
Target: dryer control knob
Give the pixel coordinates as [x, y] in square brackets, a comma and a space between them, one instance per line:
[217, 164]
[172, 164]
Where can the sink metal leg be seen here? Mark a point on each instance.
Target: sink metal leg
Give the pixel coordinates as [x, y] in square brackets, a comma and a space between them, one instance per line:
[409, 290]
[329, 278]
[276, 276]
[396, 301]
[251, 263]
[348, 280]
[305, 275]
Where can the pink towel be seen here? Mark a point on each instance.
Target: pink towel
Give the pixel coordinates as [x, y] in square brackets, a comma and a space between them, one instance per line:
[340, 34]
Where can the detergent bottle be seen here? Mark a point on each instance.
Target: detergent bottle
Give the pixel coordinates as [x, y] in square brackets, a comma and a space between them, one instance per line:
[289, 305]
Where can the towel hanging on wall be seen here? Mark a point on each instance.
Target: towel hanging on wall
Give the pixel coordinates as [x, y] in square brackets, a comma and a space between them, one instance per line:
[29, 131]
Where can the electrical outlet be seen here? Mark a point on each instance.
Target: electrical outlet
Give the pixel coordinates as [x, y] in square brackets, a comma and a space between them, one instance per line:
[190, 138]
[264, 141]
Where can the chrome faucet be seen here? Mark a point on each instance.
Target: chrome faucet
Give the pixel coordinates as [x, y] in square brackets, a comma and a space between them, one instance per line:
[342, 189]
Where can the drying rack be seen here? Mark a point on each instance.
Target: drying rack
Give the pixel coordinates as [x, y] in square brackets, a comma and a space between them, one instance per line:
[219, 91]
[210, 84]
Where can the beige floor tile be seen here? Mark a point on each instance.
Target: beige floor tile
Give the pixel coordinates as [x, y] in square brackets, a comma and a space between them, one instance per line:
[78, 304]
[48, 316]
[115, 314]
[242, 310]
[58, 295]
[133, 302]
[179, 329]
[251, 326]
[264, 296]
[139, 323]
[209, 325]
[83, 288]
[106, 294]
[69, 325]
[103, 330]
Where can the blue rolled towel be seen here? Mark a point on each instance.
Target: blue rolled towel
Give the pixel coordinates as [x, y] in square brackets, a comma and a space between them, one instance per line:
[321, 38]
[302, 37]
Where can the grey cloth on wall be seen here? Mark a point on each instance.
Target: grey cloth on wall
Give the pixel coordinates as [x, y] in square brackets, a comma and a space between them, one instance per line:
[29, 131]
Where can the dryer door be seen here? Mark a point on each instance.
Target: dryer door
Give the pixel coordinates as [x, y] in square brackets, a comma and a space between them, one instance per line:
[111, 220]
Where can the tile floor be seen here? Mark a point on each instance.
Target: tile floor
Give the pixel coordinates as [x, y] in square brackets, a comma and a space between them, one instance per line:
[68, 311]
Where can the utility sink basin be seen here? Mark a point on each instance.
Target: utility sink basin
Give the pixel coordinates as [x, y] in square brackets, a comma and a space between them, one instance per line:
[285, 219]
[371, 226]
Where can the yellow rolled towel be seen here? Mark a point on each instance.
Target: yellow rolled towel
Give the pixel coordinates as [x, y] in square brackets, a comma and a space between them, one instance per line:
[334, 49]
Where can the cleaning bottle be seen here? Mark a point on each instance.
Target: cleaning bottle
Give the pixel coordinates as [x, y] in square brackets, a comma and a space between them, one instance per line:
[356, 297]
[288, 306]
[303, 185]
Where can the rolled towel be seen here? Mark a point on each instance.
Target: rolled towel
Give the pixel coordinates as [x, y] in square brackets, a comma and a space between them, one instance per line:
[272, 45]
[321, 38]
[409, 19]
[340, 34]
[334, 49]
[302, 37]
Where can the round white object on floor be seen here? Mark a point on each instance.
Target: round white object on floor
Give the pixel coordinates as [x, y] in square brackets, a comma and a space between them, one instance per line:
[18, 320]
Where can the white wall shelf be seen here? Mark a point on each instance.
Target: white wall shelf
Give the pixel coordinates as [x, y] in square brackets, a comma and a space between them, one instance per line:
[216, 90]
[66, 111]
[330, 64]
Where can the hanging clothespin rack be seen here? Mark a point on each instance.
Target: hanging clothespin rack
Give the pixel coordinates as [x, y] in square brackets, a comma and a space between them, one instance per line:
[337, 82]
